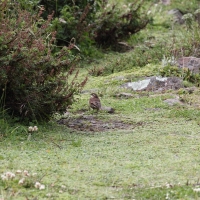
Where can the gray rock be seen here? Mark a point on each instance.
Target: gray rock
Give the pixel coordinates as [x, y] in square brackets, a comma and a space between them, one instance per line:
[191, 63]
[108, 109]
[177, 16]
[191, 90]
[155, 84]
[123, 47]
[166, 2]
[172, 102]
[174, 83]
[139, 85]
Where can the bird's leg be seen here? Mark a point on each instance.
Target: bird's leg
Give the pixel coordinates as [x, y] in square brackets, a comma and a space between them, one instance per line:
[97, 111]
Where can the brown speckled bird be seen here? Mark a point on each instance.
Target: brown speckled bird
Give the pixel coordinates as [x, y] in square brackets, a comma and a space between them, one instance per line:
[95, 102]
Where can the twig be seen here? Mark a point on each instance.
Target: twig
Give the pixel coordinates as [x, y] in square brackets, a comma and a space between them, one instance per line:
[59, 146]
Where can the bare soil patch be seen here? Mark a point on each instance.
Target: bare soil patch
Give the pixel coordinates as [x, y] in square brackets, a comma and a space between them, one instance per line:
[94, 124]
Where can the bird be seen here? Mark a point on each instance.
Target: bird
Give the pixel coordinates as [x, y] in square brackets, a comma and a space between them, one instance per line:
[94, 102]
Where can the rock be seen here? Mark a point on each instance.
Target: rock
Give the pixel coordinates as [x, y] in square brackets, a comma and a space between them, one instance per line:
[174, 83]
[149, 44]
[155, 84]
[191, 63]
[191, 90]
[108, 109]
[139, 85]
[62, 121]
[172, 102]
[123, 47]
[166, 2]
[177, 16]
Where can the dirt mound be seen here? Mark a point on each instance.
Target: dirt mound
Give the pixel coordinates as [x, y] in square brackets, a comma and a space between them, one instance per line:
[92, 123]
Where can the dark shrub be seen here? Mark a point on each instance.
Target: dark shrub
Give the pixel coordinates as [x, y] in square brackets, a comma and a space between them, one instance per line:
[92, 22]
[72, 18]
[114, 24]
[33, 77]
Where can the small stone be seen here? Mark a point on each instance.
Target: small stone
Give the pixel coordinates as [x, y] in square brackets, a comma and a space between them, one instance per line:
[177, 15]
[172, 102]
[166, 2]
[108, 109]
[125, 95]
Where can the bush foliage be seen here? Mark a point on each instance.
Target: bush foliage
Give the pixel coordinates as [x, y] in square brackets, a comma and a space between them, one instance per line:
[114, 24]
[96, 22]
[72, 19]
[33, 78]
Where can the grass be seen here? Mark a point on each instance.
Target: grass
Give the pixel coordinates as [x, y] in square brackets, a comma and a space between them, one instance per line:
[138, 163]
[157, 160]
